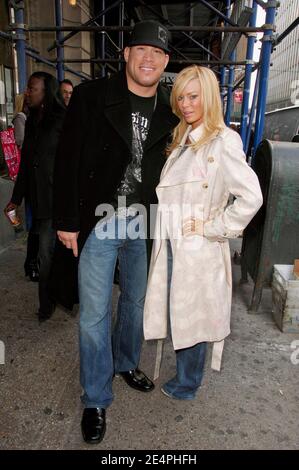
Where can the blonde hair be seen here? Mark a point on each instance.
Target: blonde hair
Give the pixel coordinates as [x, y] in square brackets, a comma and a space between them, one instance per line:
[19, 103]
[212, 117]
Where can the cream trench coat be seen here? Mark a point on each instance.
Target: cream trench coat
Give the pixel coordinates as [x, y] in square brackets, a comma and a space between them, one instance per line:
[198, 184]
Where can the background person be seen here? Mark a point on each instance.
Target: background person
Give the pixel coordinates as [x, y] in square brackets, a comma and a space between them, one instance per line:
[19, 121]
[35, 177]
[66, 90]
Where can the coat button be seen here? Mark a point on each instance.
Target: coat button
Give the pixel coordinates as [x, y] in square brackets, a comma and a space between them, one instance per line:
[91, 174]
[106, 147]
[35, 165]
[81, 201]
[205, 185]
[210, 159]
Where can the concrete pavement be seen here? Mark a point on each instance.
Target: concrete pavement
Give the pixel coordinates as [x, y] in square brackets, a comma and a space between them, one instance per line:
[251, 404]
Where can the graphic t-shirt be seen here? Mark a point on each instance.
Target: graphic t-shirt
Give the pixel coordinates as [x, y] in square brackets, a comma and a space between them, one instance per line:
[142, 111]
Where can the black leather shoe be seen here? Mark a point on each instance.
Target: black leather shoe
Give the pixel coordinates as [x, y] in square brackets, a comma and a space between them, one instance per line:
[135, 378]
[43, 316]
[93, 425]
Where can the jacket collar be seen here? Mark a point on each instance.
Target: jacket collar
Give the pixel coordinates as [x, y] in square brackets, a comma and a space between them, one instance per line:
[118, 108]
[195, 134]
[116, 89]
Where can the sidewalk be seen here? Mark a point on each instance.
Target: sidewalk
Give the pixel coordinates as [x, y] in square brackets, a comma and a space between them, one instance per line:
[251, 404]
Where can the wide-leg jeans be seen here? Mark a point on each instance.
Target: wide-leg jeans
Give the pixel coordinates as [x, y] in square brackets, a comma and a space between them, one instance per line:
[189, 361]
[103, 354]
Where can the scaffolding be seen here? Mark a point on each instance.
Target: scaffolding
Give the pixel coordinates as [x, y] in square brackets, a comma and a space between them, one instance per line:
[227, 62]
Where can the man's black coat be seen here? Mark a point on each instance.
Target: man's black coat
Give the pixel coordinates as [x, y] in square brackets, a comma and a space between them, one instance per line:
[92, 157]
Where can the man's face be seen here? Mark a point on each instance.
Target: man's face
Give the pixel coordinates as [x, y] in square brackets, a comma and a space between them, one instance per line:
[145, 65]
[35, 92]
[66, 90]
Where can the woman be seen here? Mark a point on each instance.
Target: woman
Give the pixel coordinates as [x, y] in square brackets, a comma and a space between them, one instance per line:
[19, 121]
[206, 164]
[35, 177]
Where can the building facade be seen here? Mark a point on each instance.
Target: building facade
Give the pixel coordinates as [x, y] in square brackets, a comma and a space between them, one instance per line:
[283, 87]
[41, 13]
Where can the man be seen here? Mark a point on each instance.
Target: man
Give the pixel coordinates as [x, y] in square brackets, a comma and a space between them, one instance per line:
[35, 177]
[115, 135]
[66, 90]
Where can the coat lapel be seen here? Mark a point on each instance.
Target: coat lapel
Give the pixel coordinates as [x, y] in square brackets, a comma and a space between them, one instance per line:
[181, 169]
[163, 120]
[118, 108]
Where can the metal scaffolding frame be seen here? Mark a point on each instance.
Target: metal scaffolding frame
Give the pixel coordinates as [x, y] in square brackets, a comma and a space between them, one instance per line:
[17, 34]
[247, 78]
[59, 36]
[264, 75]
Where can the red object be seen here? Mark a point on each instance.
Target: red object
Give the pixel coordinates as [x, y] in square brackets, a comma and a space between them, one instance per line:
[238, 96]
[11, 152]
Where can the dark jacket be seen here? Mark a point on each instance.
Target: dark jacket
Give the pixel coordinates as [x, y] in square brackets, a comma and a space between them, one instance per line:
[35, 177]
[93, 155]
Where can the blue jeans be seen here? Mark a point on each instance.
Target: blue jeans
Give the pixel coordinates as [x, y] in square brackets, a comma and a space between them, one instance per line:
[190, 366]
[102, 355]
[189, 362]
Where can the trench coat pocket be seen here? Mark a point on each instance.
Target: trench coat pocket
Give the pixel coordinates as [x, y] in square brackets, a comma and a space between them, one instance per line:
[216, 231]
[210, 233]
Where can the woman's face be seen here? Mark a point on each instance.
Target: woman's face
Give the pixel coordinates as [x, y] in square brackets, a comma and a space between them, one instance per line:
[189, 103]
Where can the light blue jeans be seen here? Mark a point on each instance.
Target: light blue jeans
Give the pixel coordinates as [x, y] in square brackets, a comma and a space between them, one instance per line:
[189, 361]
[100, 354]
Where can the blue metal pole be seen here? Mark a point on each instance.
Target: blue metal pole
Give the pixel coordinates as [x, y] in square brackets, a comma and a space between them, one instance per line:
[5, 35]
[222, 83]
[247, 81]
[81, 75]
[43, 60]
[264, 74]
[230, 85]
[39, 58]
[59, 37]
[252, 112]
[223, 68]
[20, 46]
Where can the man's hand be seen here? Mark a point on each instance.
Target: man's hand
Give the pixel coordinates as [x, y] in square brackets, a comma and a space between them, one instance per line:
[10, 206]
[69, 239]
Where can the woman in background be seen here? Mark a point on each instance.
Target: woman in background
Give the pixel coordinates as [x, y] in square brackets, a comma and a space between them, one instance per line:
[19, 121]
[35, 177]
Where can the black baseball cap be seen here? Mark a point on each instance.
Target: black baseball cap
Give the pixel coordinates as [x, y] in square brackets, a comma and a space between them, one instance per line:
[150, 33]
